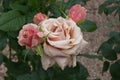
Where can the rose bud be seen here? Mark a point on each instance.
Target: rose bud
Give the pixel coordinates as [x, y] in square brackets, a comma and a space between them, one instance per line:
[30, 36]
[39, 17]
[77, 13]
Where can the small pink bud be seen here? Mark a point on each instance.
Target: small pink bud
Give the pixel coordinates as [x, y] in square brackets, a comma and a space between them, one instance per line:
[39, 17]
[77, 13]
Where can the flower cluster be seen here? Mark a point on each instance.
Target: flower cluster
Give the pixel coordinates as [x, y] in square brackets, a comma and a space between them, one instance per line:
[59, 38]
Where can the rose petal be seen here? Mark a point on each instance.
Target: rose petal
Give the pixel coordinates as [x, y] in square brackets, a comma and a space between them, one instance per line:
[73, 61]
[62, 61]
[47, 62]
[53, 52]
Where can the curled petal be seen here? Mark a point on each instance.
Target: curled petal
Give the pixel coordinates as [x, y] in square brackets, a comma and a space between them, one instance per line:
[62, 61]
[53, 52]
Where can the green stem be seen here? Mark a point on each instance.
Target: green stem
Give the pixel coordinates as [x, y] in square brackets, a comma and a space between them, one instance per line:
[26, 55]
[62, 9]
[10, 49]
[90, 56]
[63, 13]
[62, 4]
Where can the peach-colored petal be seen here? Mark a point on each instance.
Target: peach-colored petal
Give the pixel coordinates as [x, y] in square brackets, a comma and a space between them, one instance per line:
[47, 62]
[53, 52]
[62, 61]
[60, 44]
[73, 61]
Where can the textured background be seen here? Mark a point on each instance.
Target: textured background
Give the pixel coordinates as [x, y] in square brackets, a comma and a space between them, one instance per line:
[105, 24]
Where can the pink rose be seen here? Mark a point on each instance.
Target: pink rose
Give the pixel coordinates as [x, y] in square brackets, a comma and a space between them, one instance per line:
[77, 13]
[64, 41]
[29, 36]
[39, 17]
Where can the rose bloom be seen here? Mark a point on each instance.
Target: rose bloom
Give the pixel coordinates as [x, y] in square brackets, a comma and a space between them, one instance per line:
[77, 13]
[39, 17]
[64, 41]
[30, 36]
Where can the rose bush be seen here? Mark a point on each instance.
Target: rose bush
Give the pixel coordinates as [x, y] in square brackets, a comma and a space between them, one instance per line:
[63, 38]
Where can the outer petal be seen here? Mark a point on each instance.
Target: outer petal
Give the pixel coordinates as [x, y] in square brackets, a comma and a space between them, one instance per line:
[73, 61]
[75, 49]
[63, 44]
[62, 61]
[47, 62]
[82, 44]
[53, 52]
[71, 51]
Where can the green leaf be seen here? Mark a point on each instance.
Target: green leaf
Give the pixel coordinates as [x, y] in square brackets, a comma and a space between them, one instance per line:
[115, 78]
[71, 3]
[8, 77]
[34, 3]
[108, 52]
[115, 70]
[1, 9]
[110, 10]
[116, 37]
[27, 53]
[6, 5]
[1, 58]
[17, 68]
[117, 49]
[91, 56]
[13, 43]
[55, 10]
[112, 34]
[18, 7]
[88, 26]
[110, 6]
[13, 34]
[11, 21]
[3, 43]
[105, 7]
[101, 9]
[77, 73]
[29, 17]
[32, 76]
[106, 65]
[3, 40]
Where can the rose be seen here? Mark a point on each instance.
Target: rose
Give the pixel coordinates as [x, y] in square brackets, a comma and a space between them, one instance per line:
[30, 36]
[77, 13]
[39, 17]
[64, 41]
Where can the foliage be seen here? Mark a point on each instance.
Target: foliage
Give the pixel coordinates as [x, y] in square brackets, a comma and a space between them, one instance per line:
[110, 50]
[110, 6]
[16, 13]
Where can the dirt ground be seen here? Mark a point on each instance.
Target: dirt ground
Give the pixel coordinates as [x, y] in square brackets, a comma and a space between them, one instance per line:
[105, 24]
